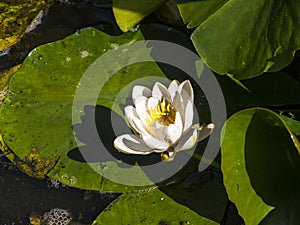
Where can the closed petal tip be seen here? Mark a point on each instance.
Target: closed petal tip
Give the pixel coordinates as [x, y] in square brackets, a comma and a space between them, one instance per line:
[160, 91]
[173, 87]
[139, 91]
[186, 89]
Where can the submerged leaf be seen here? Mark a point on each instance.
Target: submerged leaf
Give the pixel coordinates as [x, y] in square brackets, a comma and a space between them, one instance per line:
[16, 17]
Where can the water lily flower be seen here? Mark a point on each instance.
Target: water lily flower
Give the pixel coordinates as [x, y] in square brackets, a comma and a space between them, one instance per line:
[162, 121]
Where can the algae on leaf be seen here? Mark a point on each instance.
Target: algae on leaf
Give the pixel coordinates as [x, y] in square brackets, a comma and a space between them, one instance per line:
[16, 17]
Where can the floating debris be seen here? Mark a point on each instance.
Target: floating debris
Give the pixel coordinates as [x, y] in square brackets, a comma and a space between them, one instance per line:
[84, 54]
[57, 217]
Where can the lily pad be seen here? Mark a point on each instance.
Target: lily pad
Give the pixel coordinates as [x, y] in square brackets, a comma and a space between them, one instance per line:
[129, 13]
[260, 163]
[38, 110]
[16, 17]
[149, 207]
[247, 38]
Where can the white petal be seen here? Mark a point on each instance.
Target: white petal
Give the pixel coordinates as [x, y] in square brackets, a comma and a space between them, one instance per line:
[187, 141]
[134, 121]
[186, 89]
[154, 143]
[204, 130]
[158, 130]
[173, 87]
[141, 110]
[186, 110]
[140, 91]
[174, 131]
[151, 103]
[177, 103]
[172, 134]
[160, 91]
[131, 144]
[188, 115]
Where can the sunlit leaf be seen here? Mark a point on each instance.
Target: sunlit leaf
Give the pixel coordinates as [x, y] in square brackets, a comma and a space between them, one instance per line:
[246, 38]
[131, 12]
[260, 163]
[150, 207]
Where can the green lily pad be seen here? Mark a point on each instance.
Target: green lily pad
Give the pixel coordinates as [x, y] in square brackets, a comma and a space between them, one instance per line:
[149, 207]
[37, 114]
[260, 163]
[16, 17]
[38, 110]
[129, 13]
[194, 12]
[247, 38]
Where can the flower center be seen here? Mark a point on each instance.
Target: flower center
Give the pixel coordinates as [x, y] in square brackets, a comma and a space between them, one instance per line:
[164, 113]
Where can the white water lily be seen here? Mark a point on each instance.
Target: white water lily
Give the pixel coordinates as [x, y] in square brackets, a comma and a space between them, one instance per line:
[162, 121]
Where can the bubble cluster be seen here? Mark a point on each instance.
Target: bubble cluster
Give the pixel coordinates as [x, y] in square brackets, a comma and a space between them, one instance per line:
[57, 217]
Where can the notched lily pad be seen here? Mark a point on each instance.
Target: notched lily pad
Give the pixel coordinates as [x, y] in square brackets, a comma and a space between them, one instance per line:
[194, 12]
[129, 13]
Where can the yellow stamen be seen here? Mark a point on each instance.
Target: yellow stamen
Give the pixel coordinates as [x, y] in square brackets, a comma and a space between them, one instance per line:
[165, 156]
[164, 113]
